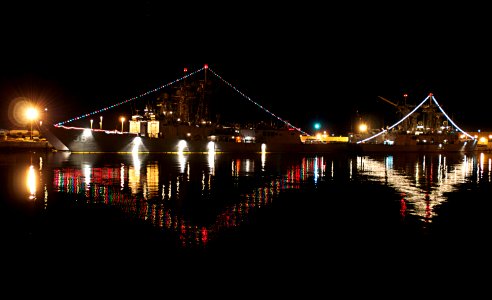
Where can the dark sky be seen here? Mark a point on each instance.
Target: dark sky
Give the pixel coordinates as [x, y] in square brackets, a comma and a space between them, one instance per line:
[305, 63]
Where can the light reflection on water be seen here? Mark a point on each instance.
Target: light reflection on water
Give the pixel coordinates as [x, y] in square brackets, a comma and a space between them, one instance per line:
[423, 181]
[152, 196]
[162, 190]
[31, 182]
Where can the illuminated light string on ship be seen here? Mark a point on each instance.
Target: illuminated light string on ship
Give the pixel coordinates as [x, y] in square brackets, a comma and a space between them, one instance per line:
[449, 119]
[257, 104]
[131, 99]
[410, 113]
[172, 83]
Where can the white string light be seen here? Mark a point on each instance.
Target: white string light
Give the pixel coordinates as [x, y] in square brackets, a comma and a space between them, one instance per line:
[257, 104]
[171, 83]
[410, 113]
[131, 99]
[449, 119]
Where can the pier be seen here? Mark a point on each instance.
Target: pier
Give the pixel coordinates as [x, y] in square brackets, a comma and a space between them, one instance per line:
[21, 145]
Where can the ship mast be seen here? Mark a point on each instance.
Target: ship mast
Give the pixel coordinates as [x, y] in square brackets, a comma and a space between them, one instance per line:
[183, 102]
[202, 109]
[432, 118]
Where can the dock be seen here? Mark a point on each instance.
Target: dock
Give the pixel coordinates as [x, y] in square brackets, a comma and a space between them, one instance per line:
[25, 145]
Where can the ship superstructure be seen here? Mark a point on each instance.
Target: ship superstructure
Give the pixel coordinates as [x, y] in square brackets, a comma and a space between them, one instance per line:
[424, 127]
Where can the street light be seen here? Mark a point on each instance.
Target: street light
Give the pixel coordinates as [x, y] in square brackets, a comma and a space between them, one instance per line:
[45, 116]
[32, 115]
[362, 127]
[122, 120]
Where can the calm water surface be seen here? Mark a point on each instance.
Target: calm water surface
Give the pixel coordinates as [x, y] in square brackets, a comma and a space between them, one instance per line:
[410, 211]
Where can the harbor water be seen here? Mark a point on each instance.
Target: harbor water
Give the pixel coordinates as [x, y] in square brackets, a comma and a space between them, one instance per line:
[410, 213]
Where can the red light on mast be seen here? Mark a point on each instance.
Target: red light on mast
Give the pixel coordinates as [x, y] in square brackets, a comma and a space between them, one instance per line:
[185, 70]
[205, 66]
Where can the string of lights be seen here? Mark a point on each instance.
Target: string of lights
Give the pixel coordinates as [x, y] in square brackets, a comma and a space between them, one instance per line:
[449, 119]
[257, 104]
[131, 99]
[173, 82]
[396, 124]
[410, 113]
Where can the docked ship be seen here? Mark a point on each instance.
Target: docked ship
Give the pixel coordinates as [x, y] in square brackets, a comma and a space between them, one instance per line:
[179, 122]
[423, 128]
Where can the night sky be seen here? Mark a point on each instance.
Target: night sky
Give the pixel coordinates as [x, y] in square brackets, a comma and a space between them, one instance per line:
[304, 63]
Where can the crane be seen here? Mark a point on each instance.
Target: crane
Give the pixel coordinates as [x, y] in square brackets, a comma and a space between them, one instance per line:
[392, 103]
[402, 109]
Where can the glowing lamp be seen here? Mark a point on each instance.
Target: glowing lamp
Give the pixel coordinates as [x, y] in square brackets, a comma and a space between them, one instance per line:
[31, 114]
[362, 127]
[122, 122]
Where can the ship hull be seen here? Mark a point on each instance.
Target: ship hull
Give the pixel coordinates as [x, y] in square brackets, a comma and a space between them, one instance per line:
[282, 147]
[100, 141]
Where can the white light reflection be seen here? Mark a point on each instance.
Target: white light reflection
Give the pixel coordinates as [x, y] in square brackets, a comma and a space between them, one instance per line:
[181, 158]
[242, 167]
[136, 163]
[45, 188]
[439, 169]
[315, 170]
[122, 176]
[263, 160]
[87, 175]
[490, 167]
[482, 162]
[136, 145]
[211, 157]
[323, 167]
[45, 196]
[203, 182]
[31, 183]
[422, 198]
[465, 168]
[182, 162]
[169, 190]
[417, 173]
[134, 173]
